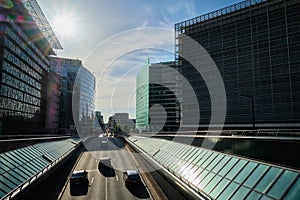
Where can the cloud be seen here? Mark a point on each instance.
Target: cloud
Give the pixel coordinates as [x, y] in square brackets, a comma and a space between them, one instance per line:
[119, 59]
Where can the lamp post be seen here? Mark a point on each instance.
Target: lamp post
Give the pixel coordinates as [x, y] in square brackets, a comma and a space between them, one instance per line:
[252, 107]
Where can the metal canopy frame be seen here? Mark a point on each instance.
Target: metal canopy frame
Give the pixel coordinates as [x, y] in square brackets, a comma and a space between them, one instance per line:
[38, 16]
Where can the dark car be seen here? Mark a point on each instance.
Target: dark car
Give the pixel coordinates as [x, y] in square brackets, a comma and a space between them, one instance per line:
[79, 178]
[131, 177]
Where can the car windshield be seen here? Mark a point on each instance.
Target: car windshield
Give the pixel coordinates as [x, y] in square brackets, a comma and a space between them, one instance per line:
[134, 176]
[78, 175]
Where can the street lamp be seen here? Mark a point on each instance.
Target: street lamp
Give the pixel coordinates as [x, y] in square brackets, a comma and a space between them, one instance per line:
[252, 106]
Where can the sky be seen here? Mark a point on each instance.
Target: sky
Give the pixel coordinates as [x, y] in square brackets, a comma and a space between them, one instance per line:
[114, 38]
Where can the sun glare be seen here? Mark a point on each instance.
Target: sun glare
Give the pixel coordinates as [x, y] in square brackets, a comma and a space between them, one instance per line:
[64, 26]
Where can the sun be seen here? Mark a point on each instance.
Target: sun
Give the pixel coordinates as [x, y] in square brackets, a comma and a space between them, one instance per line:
[64, 26]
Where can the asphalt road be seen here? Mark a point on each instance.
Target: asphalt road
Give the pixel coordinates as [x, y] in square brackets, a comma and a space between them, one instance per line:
[106, 184]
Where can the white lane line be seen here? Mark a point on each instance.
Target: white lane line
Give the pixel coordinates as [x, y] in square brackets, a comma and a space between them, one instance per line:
[92, 181]
[117, 178]
[106, 188]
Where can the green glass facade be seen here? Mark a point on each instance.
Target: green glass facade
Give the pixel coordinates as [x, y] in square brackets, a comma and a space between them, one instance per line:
[142, 98]
[256, 47]
[157, 107]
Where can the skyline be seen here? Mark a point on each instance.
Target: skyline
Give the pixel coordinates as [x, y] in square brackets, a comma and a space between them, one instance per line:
[97, 35]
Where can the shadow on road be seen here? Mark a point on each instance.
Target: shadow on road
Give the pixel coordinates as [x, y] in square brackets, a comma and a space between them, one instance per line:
[107, 171]
[79, 190]
[138, 190]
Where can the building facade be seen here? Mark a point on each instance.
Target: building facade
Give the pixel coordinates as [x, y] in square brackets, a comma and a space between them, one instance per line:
[24, 65]
[53, 102]
[156, 98]
[256, 47]
[77, 100]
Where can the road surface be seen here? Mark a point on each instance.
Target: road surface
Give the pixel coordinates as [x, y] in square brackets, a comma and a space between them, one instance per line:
[106, 184]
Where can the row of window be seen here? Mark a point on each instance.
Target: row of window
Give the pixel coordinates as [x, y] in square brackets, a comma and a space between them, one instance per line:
[22, 55]
[17, 62]
[22, 76]
[25, 48]
[27, 41]
[15, 83]
[17, 106]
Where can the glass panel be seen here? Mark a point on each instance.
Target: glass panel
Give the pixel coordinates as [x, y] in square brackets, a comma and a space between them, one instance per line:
[256, 175]
[1, 169]
[208, 160]
[188, 153]
[179, 164]
[221, 164]
[197, 156]
[268, 179]
[212, 184]
[188, 170]
[294, 192]
[245, 172]
[240, 193]
[230, 189]
[2, 193]
[10, 180]
[199, 163]
[22, 172]
[195, 172]
[4, 187]
[8, 160]
[18, 176]
[228, 166]
[253, 196]
[239, 165]
[215, 162]
[206, 180]
[200, 177]
[219, 188]
[282, 184]
[183, 169]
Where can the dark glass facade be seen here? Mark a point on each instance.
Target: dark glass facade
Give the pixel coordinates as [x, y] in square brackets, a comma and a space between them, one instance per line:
[24, 66]
[77, 100]
[256, 47]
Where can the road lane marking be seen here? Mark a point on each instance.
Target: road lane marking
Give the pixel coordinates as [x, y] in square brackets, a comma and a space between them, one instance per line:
[117, 178]
[106, 188]
[92, 180]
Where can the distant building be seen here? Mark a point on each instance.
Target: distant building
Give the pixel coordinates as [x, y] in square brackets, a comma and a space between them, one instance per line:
[25, 47]
[256, 47]
[99, 120]
[77, 101]
[120, 122]
[123, 121]
[157, 107]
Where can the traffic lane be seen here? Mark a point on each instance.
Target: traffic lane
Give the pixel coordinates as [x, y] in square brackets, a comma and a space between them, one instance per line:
[102, 185]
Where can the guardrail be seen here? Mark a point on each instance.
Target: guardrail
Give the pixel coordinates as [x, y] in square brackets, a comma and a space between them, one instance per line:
[246, 132]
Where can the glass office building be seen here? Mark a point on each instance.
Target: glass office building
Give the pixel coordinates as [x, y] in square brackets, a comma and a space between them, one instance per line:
[77, 100]
[24, 65]
[156, 103]
[256, 47]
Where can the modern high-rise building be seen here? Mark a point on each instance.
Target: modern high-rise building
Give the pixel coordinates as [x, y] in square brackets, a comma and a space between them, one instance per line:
[77, 100]
[255, 45]
[157, 107]
[25, 44]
